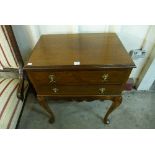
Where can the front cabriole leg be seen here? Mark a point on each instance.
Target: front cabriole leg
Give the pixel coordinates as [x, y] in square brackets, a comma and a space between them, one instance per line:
[116, 101]
[43, 103]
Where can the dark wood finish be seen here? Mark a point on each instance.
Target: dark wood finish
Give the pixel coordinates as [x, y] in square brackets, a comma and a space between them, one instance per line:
[43, 103]
[115, 76]
[100, 50]
[116, 101]
[7, 29]
[18, 57]
[103, 71]
[79, 90]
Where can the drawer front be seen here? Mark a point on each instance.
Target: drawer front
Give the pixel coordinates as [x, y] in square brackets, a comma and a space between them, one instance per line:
[80, 77]
[80, 90]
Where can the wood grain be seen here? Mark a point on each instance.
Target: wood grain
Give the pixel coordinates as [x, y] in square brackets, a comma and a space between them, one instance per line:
[99, 54]
[116, 76]
[80, 90]
[99, 49]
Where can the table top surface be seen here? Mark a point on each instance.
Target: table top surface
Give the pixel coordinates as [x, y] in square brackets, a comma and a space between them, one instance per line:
[91, 49]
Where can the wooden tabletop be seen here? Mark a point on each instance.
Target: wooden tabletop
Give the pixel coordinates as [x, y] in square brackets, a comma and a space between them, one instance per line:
[95, 49]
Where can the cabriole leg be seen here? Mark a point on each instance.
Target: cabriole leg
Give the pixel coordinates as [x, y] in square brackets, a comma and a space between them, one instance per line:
[43, 103]
[116, 101]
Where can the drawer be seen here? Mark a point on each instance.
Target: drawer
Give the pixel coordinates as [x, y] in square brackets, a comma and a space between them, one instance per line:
[80, 90]
[80, 77]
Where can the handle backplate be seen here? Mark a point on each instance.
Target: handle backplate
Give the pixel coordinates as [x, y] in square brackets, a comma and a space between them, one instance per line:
[102, 91]
[55, 90]
[105, 77]
[52, 78]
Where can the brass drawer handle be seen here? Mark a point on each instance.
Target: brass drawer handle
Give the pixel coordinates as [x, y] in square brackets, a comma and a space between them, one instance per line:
[105, 77]
[55, 90]
[52, 78]
[102, 91]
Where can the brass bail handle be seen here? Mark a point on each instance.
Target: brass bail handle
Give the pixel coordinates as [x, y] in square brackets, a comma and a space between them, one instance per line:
[105, 77]
[52, 78]
[102, 90]
[55, 90]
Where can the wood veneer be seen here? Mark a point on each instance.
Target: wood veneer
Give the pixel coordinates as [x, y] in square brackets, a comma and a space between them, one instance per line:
[104, 68]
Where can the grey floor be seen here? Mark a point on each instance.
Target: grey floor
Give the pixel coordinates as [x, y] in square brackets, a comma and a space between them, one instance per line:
[136, 111]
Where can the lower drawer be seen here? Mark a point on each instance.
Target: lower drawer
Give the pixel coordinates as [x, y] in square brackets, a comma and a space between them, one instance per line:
[80, 90]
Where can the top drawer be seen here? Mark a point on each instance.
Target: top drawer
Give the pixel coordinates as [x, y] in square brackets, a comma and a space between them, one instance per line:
[109, 76]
